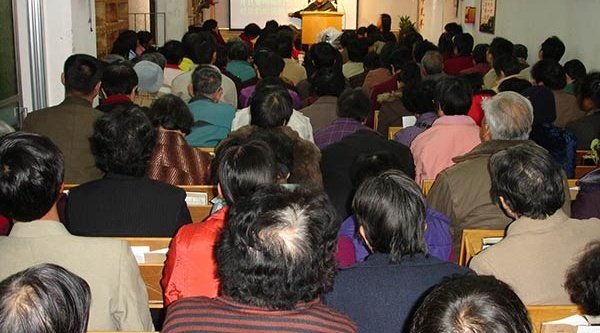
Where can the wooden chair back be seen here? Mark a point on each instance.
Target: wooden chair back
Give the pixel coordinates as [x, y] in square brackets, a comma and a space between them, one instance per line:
[200, 212]
[426, 186]
[573, 188]
[584, 163]
[376, 120]
[472, 242]
[392, 130]
[543, 313]
[210, 150]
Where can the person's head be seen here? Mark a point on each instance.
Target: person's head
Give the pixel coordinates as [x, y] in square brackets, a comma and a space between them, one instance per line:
[514, 84]
[285, 43]
[395, 57]
[31, 175]
[155, 57]
[549, 73]
[526, 181]
[123, 141]
[575, 70]
[471, 304]
[508, 116]
[410, 39]
[81, 75]
[206, 82]
[361, 32]
[252, 30]
[418, 99]
[453, 29]
[277, 246]
[588, 92]
[583, 280]
[445, 44]
[386, 22]
[520, 51]
[453, 96]
[544, 105]
[268, 64]
[390, 212]
[357, 49]
[479, 53]
[119, 79]
[174, 52]
[171, 113]
[371, 61]
[410, 74]
[422, 47]
[125, 42]
[324, 55]
[145, 38]
[150, 76]
[552, 49]
[475, 81]
[210, 25]
[271, 106]
[499, 47]
[432, 62]
[506, 65]
[328, 81]
[354, 103]
[200, 47]
[44, 298]
[283, 148]
[463, 44]
[237, 50]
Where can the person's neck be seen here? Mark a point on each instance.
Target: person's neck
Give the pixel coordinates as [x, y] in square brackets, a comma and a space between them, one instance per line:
[89, 98]
[52, 214]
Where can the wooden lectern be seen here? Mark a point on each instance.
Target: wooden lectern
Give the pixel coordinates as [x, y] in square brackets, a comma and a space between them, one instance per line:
[315, 22]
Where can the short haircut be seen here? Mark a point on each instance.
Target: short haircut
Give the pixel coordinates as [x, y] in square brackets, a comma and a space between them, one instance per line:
[238, 50]
[252, 30]
[454, 96]
[386, 22]
[575, 69]
[367, 165]
[399, 57]
[507, 65]
[210, 24]
[410, 74]
[475, 80]
[509, 116]
[44, 298]
[125, 43]
[206, 80]
[155, 57]
[520, 51]
[271, 106]
[269, 64]
[550, 73]
[174, 52]
[583, 280]
[123, 141]
[553, 49]
[463, 44]
[82, 73]
[479, 53]
[391, 209]
[324, 55]
[276, 249]
[354, 103]
[243, 167]
[31, 174]
[328, 81]
[445, 44]
[283, 148]
[144, 37]
[419, 99]
[590, 88]
[500, 46]
[357, 49]
[453, 28]
[285, 42]
[432, 62]
[200, 47]
[422, 47]
[528, 179]
[514, 84]
[410, 39]
[170, 112]
[119, 79]
[472, 304]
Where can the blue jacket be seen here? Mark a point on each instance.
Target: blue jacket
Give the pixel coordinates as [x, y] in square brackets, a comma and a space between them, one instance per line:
[212, 122]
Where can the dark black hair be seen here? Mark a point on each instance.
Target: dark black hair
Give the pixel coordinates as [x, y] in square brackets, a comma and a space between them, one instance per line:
[520, 51]
[590, 88]
[553, 49]
[575, 69]
[386, 22]
[328, 81]
[119, 79]
[354, 103]
[271, 106]
[583, 280]
[514, 84]
[475, 80]
[371, 61]
[453, 29]
[210, 24]
[44, 298]
[550, 73]
[410, 74]
[445, 44]
[418, 99]
[283, 148]
[31, 174]
[454, 96]
[200, 47]
[324, 55]
[479, 53]
[507, 64]
[123, 141]
[463, 44]
[397, 58]
[500, 46]
[473, 304]
[125, 42]
[269, 64]
[252, 30]
[410, 39]
[421, 48]
[361, 31]
[144, 38]
[277, 246]
[528, 179]
[357, 49]
[172, 113]
[391, 209]
[238, 50]
[369, 165]
[82, 73]
[285, 41]
[174, 52]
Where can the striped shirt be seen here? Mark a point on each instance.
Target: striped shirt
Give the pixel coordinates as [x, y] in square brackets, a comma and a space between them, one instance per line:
[222, 314]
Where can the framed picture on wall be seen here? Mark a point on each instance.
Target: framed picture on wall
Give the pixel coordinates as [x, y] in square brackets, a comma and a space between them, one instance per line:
[487, 17]
[470, 13]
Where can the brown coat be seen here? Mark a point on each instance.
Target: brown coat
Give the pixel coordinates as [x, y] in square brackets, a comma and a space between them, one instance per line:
[567, 109]
[322, 112]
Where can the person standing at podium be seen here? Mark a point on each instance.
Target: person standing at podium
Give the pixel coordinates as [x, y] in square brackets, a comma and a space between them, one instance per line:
[317, 5]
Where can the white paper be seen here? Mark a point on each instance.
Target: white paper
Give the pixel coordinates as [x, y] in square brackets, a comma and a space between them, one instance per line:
[138, 253]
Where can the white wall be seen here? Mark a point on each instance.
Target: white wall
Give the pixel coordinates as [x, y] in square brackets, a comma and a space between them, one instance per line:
[369, 13]
[176, 19]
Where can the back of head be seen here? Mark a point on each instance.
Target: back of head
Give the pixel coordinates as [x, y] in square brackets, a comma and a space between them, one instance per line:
[144, 38]
[453, 96]
[583, 280]
[421, 48]
[210, 25]
[283, 149]
[514, 84]
[509, 116]
[125, 43]
[544, 105]
[589, 89]
[170, 112]
[237, 50]
[550, 73]
[390, 208]
[252, 30]
[472, 304]
[45, 298]
[357, 49]
[575, 69]
[552, 49]
[397, 58]
[354, 103]
[174, 52]
[328, 81]
[463, 44]
[269, 64]
[528, 179]
[432, 62]
[285, 40]
[475, 81]
[506, 65]
[500, 46]
[386, 22]
[123, 141]
[371, 61]
[277, 248]
[206, 80]
[410, 39]
[271, 106]
[31, 175]
[419, 99]
[155, 57]
[82, 73]
[479, 53]
[370, 165]
[150, 76]
[520, 51]
[445, 44]
[119, 79]
[200, 47]
[453, 29]
[324, 55]
[410, 74]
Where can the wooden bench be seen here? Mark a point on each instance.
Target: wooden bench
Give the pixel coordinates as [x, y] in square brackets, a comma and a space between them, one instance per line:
[426, 186]
[584, 163]
[392, 130]
[472, 242]
[543, 313]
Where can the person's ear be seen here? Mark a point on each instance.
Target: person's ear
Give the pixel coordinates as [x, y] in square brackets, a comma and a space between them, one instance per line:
[103, 93]
[219, 190]
[62, 78]
[191, 90]
[507, 209]
[362, 233]
[97, 88]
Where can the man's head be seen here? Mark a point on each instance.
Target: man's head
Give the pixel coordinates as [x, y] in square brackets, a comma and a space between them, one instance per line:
[453, 96]
[268, 64]
[432, 62]
[271, 106]
[552, 49]
[200, 47]
[354, 103]
[252, 30]
[357, 49]
[328, 81]
[499, 47]
[463, 44]
[44, 298]
[285, 40]
[583, 280]
[206, 82]
[390, 211]
[472, 304]
[324, 55]
[550, 74]
[506, 65]
[418, 99]
[508, 116]
[526, 181]
[386, 22]
[119, 79]
[81, 75]
[479, 53]
[277, 246]
[237, 50]
[174, 52]
[31, 175]
[422, 47]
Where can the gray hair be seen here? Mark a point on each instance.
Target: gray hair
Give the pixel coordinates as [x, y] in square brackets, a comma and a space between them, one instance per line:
[509, 116]
[206, 80]
[432, 62]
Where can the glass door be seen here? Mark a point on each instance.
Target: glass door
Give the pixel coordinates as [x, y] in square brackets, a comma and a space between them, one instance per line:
[9, 91]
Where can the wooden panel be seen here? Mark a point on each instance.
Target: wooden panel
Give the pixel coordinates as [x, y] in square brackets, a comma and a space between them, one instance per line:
[392, 130]
[543, 313]
[426, 186]
[472, 242]
[315, 22]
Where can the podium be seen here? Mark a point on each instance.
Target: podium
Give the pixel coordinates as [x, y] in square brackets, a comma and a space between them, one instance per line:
[315, 22]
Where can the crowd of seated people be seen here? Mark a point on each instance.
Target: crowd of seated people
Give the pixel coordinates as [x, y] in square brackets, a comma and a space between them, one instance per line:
[320, 221]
